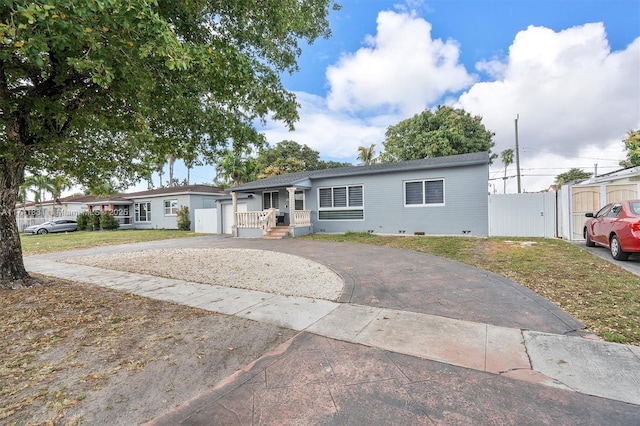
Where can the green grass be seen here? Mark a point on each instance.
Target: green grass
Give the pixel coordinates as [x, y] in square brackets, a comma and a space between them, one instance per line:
[597, 292]
[48, 243]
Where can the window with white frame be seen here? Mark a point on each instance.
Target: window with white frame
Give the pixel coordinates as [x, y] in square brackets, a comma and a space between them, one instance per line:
[270, 200]
[341, 203]
[142, 212]
[298, 197]
[424, 192]
[170, 207]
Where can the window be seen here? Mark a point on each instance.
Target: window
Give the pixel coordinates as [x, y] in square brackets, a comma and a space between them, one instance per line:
[270, 200]
[341, 203]
[299, 199]
[424, 192]
[170, 207]
[143, 212]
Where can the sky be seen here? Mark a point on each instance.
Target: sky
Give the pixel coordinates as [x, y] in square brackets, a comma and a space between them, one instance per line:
[569, 70]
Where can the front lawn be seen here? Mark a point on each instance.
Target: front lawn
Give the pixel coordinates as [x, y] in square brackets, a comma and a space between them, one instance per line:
[48, 243]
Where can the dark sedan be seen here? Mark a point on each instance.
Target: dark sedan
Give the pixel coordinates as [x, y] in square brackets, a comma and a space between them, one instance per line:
[615, 226]
[60, 225]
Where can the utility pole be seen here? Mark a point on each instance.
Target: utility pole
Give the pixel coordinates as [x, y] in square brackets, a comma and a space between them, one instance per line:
[518, 154]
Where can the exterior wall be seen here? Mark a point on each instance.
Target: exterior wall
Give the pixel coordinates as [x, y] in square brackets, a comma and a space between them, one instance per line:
[160, 220]
[465, 209]
[249, 233]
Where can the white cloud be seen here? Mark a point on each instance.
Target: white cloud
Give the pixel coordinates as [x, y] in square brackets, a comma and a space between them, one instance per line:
[576, 99]
[334, 134]
[400, 69]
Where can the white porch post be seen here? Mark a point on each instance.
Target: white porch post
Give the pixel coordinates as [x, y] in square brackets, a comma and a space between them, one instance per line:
[292, 206]
[234, 202]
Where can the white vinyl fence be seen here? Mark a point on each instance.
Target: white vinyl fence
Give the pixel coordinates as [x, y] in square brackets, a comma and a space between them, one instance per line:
[523, 215]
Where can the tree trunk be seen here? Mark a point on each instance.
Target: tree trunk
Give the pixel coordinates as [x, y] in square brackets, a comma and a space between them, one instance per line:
[12, 271]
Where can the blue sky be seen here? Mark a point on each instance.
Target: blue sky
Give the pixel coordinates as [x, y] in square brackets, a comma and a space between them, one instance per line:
[569, 68]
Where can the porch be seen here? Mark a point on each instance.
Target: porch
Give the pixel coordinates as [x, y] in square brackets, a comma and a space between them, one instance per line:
[266, 221]
[275, 219]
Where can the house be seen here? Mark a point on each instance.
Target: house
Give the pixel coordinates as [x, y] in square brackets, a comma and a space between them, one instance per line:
[152, 209]
[32, 213]
[433, 196]
[157, 208]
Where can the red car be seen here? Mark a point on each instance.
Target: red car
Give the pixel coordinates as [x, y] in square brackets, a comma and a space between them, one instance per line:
[616, 226]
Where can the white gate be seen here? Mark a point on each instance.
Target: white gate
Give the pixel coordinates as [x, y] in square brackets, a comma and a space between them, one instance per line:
[206, 221]
[523, 215]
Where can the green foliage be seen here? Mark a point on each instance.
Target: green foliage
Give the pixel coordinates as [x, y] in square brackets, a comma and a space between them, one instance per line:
[286, 157]
[83, 221]
[571, 175]
[367, 155]
[232, 169]
[93, 224]
[108, 222]
[184, 223]
[632, 146]
[448, 131]
[105, 89]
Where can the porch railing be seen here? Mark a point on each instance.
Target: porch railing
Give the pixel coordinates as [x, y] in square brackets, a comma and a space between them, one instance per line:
[262, 219]
[301, 218]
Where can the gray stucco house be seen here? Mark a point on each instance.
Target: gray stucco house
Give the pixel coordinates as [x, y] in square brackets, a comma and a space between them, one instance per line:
[157, 208]
[433, 196]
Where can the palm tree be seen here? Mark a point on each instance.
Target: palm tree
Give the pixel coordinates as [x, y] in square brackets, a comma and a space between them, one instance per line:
[367, 155]
[59, 184]
[171, 160]
[231, 169]
[507, 159]
[39, 185]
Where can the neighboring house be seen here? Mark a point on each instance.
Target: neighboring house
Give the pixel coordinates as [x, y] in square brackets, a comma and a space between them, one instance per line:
[152, 209]
[31, 213]
[588, 196]
[158, 208]
[433, 196]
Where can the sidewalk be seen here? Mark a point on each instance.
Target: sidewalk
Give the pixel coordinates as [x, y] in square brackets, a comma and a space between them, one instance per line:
[421, 368]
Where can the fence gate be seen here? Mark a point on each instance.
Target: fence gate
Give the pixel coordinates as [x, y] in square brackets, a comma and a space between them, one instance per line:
[523, 215]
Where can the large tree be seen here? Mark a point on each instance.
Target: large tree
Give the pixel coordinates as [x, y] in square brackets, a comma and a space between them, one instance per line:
[286, 157]
[574, 174]
[447, 131]
[104, 88]
[632, 146]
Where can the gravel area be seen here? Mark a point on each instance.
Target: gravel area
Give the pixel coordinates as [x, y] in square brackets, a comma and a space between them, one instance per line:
[262, 270]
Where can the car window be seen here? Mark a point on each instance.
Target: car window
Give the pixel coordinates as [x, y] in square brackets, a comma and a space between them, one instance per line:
[603, 211]
[635, 208]
[615, 210]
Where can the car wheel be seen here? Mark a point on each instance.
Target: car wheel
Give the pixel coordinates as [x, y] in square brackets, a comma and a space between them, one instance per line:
[42, 231]
[588, 241]
[616, 250]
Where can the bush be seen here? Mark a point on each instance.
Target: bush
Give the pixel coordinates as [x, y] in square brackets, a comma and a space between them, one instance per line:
[93, 224]
[83, 221]
[107, 221]
[184, 223]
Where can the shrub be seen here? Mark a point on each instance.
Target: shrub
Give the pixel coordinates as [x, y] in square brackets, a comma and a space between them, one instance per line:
[184, 223]
[83, 221]
[107, 221]
[93, 224]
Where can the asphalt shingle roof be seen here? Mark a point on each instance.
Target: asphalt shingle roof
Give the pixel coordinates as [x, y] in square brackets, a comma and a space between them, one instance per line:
[427, 163]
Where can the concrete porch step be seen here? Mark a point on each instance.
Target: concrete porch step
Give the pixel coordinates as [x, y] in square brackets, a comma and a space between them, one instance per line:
[277, 233]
